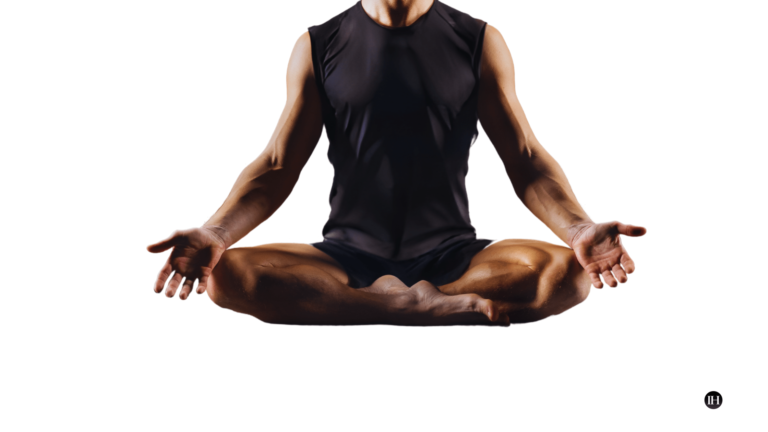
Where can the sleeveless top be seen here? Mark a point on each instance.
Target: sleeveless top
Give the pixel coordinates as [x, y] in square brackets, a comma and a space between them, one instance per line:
[399, 107]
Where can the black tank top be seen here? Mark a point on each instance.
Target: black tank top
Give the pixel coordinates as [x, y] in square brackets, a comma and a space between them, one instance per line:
[400, 111]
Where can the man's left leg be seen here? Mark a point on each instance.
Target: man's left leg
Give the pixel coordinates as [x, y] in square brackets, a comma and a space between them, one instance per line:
[529, 279]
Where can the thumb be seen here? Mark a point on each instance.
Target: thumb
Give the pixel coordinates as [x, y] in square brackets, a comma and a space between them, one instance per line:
[166, 244]
[630, 230]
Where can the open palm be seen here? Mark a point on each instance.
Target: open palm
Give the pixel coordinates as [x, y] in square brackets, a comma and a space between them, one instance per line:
[195, 253]
[599, 250]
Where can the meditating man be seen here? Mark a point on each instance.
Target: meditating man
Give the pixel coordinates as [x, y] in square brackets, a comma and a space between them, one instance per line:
[399, 86]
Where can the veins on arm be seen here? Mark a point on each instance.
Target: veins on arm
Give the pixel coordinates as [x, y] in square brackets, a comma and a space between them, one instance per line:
[537, 178]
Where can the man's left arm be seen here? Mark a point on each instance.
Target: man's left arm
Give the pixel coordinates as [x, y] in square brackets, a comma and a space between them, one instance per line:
[537, 178]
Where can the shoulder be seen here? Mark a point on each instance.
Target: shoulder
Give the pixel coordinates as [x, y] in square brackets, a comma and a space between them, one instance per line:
[493, 34]
[329, 27]
[461, 21]
[494, 44]
[469, 29]
[300, 64]
[302, 49]
[333, 32]
[496, 60]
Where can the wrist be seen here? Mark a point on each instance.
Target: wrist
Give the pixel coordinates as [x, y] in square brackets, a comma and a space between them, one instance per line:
[575, 231]
[221, 233]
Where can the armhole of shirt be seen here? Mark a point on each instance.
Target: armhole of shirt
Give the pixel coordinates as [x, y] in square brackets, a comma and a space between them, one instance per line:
[478, 52]
[315, 61]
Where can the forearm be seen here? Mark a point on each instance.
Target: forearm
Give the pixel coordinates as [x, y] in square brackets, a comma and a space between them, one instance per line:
[542, 186]
[259, 191]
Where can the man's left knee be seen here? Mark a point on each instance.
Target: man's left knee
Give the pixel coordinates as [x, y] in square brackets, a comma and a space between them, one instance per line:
[574, 284]
[564, 283]
[221, 287]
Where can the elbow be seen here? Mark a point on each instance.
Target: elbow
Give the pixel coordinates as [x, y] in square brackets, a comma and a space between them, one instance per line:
[273, 158]
[526, 192]
[523, 176]
[275, 162]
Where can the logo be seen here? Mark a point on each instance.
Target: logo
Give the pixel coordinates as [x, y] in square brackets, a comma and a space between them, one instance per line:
[713, 400]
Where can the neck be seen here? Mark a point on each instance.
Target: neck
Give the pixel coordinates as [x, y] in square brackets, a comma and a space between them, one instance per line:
[396, 13]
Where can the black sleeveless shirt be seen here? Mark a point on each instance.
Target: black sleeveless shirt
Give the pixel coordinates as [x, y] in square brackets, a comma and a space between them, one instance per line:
[400, 111]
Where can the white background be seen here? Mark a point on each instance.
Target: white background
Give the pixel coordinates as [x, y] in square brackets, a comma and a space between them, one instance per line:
[123, 121]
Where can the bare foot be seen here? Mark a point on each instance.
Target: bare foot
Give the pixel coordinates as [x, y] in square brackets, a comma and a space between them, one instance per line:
[423, 304]
[387, 284]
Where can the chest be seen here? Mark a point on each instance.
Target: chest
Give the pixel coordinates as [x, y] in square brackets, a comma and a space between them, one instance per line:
[398, 74]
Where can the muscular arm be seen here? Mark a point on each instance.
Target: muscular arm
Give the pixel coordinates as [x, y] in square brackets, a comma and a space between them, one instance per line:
[536, 177]
[266, 182]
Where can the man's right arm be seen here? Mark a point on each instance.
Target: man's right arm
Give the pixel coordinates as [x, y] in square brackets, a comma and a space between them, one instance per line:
[264, 185]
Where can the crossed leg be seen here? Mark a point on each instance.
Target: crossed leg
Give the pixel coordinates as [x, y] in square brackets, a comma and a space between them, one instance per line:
[527, 279]
[294, 283]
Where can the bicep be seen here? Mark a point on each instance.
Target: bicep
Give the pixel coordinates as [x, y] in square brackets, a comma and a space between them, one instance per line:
[499, 109]
[300, 125]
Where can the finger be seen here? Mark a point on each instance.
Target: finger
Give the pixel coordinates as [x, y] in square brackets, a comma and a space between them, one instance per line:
[596, 282]
[627, 263]
[175, 281]
[609, 279]
[164, 245]
[186, 288]
[630, 230]
[162, 278]
[621, 276]
[203, 285]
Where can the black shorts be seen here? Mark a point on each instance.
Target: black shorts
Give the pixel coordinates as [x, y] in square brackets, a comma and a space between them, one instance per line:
[441, 265]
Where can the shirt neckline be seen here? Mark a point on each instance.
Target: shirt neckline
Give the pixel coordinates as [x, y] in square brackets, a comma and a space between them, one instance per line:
[413, 24]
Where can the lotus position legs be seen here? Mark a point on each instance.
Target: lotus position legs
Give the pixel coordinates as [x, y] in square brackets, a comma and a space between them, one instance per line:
[290, 283]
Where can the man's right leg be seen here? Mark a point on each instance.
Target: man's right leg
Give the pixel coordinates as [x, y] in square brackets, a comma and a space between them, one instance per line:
[295, 283]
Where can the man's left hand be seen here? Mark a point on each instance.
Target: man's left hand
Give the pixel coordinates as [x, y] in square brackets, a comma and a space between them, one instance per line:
[599, 250]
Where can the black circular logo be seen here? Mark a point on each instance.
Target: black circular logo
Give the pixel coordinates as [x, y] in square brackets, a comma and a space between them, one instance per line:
[713, 400]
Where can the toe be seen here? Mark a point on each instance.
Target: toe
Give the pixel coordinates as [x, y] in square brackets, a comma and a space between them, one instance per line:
[484, 306]
[504, 320]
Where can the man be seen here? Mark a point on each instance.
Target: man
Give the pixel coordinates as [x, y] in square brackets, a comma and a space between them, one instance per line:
[399, 86]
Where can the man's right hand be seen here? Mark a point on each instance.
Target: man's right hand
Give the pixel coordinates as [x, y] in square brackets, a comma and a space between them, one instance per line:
[259, 190]
[195, 253]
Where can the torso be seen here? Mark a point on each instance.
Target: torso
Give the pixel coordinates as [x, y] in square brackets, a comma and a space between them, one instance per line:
[400, 110]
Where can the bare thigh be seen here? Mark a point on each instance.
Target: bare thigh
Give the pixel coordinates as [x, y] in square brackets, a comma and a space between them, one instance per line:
[282, 255]
[530, 278]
